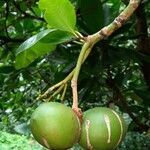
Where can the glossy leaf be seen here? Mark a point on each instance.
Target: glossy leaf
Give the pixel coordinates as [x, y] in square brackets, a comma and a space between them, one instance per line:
[59, 14]
[39, 45]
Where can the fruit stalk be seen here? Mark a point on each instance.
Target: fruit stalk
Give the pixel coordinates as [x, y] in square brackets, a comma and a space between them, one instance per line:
[83, 54]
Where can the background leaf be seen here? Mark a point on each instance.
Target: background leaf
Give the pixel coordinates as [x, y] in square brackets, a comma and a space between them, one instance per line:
[6, 69]
[59, 14]
[92, 14]
[111, 10]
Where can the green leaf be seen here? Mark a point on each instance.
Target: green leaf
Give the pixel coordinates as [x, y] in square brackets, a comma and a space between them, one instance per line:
[59, 14]
[92, 13]
[39, 45]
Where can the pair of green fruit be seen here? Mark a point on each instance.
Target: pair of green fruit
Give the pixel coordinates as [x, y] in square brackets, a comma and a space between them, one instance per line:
[57, 127]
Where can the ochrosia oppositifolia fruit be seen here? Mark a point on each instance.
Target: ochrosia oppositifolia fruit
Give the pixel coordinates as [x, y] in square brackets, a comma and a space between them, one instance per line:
[102, 129]
[55, 126]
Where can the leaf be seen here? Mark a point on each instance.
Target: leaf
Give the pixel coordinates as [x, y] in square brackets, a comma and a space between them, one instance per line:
[39, 45]
[92, 13]
[57, 37]
[59, 14]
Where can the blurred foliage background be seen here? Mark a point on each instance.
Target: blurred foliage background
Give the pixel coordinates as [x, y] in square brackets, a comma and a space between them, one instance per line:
[116, 74]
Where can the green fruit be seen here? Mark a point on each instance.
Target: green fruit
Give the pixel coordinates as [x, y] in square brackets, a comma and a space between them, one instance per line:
[55, 126]
[102, 129]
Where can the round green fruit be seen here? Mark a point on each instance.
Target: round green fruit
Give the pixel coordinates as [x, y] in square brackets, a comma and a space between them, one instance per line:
[55, 126]
[102, 129]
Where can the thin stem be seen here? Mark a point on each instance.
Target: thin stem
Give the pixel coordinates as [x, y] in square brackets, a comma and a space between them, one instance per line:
[67, 79]
[56, 92]
[85, 47]
[81, 57]
[50, 90]
[64, 92]
[80, 36]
